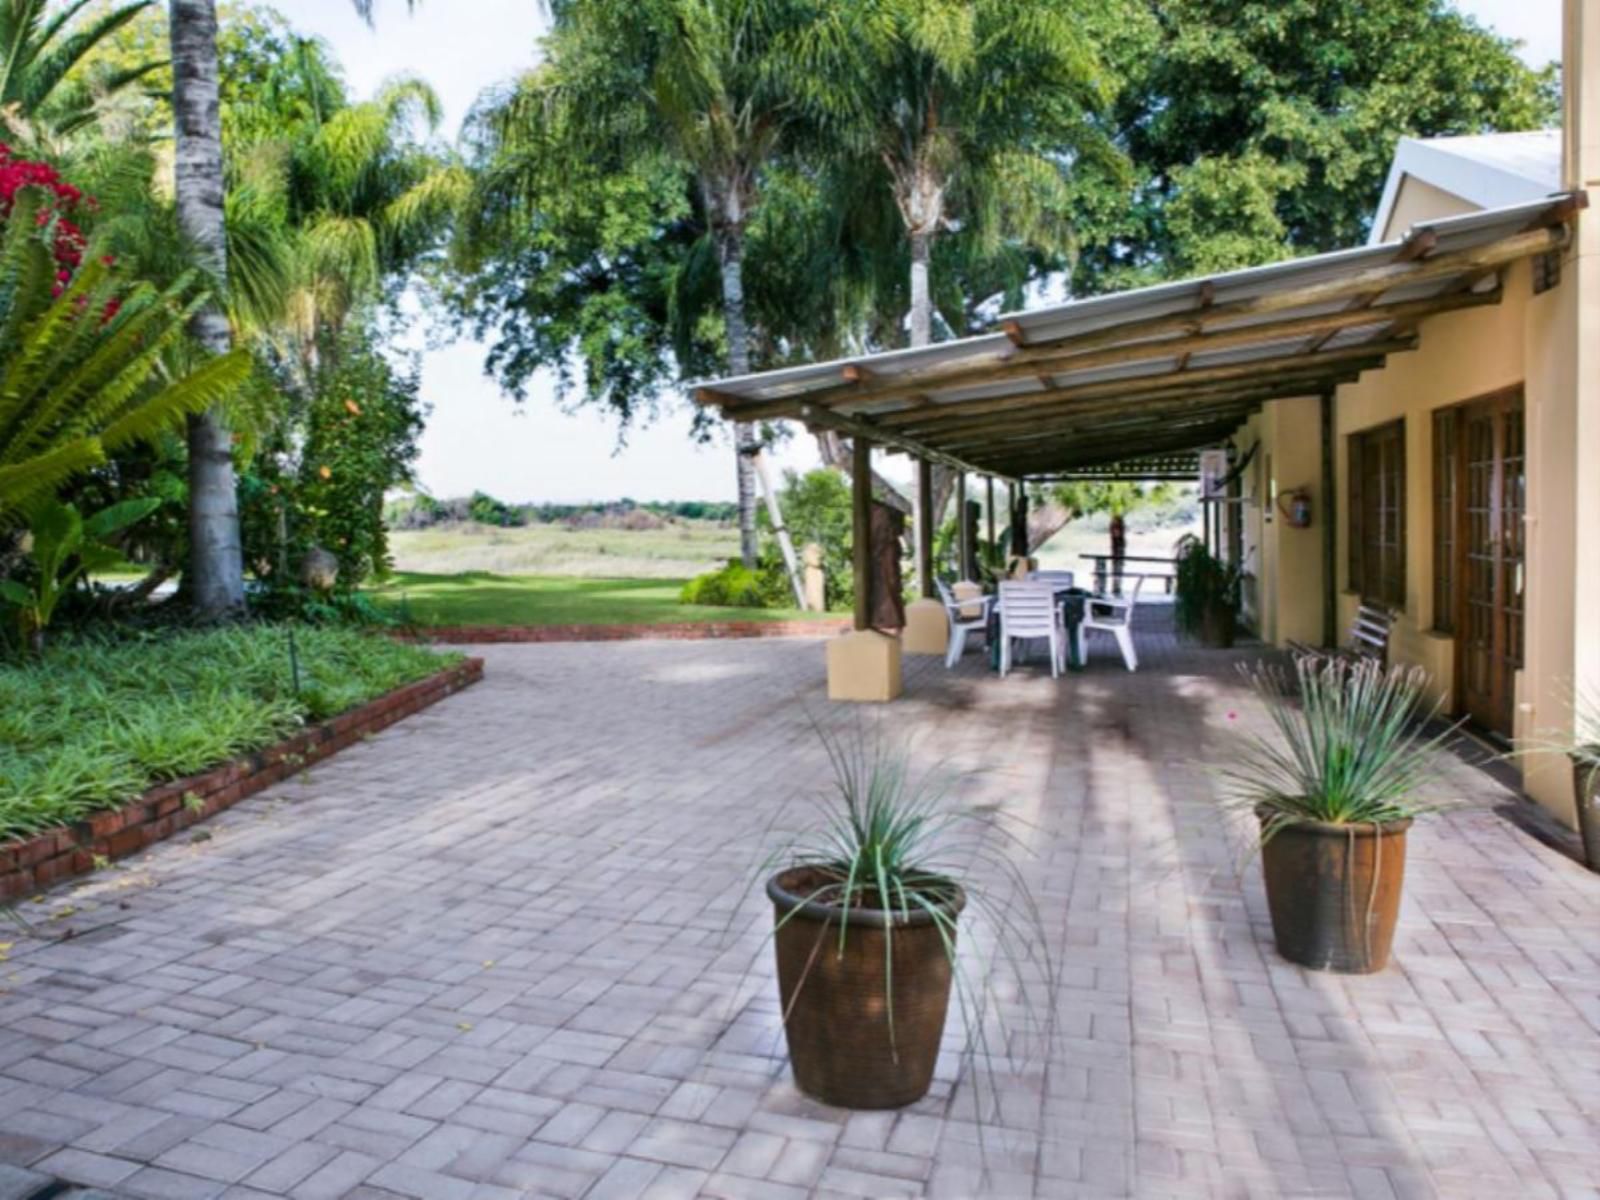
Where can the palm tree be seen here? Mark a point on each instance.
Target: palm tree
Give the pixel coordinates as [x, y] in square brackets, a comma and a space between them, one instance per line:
[216, 568]
[39, 51]
[972, 112]
[624, 79]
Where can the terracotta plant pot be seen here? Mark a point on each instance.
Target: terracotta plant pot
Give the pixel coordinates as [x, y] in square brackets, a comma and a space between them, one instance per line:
[1586, 788]
[837, 1004]
[1219, 626]
[1334, 892]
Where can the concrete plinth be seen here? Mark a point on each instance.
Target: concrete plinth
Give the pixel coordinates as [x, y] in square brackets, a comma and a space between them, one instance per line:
[864, 666]
[927, 628]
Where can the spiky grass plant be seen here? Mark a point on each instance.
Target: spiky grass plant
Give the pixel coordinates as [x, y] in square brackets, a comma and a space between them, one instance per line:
[1351, 747]
[895, 841]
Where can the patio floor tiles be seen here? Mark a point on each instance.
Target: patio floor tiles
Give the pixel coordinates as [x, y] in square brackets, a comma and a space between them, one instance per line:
[509, 947]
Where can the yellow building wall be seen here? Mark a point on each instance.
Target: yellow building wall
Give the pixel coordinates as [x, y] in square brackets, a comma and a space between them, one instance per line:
[1525, 341]
[1286, 563]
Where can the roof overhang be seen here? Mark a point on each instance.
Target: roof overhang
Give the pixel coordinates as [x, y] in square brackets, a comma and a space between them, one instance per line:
[1157, 370]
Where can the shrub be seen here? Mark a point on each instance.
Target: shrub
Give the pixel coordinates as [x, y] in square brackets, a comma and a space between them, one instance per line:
[816, 508]
[734, 586]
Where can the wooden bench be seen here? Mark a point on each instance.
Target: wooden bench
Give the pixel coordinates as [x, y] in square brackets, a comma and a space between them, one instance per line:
[1369, 638]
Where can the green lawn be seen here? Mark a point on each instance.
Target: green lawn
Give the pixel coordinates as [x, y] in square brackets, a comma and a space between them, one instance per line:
[482, 598]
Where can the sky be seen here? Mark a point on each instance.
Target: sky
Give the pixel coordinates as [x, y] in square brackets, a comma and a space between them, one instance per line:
[479, 439]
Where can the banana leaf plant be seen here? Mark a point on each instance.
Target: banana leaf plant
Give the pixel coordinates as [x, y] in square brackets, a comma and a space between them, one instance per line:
[62, 548]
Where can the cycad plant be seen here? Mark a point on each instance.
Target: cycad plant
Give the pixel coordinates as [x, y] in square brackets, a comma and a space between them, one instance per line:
[63, 547]
[82, 370]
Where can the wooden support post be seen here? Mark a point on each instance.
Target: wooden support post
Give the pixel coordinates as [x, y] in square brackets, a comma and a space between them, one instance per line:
[925, 529]
[1330, 530]
[991, 509]
[861, 529]
[963, 527]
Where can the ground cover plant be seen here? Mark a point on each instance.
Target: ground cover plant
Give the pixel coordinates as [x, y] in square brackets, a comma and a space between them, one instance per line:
[91, 724]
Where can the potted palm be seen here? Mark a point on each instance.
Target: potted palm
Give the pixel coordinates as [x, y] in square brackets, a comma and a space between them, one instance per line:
[1206, 600]
[867, 910]
[1334, 793]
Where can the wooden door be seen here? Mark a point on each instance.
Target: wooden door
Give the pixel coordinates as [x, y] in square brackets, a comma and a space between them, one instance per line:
[1491, 540]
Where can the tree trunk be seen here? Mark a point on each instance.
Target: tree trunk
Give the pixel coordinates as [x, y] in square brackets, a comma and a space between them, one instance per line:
[838, 454]
[730, 253]
[216, 561]
[1047, 520]
[921, 296]
[944, 478]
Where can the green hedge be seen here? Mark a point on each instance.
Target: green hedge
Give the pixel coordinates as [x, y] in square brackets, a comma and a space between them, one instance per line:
[733, 586]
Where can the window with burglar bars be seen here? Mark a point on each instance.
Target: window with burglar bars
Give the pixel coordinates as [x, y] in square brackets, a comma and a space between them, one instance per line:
[1377, 561]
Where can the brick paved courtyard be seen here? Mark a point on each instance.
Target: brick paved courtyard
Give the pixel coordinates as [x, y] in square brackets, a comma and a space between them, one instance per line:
[504, 949]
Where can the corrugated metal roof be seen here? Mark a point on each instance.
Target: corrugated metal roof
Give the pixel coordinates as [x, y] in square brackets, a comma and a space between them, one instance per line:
[1164, 363]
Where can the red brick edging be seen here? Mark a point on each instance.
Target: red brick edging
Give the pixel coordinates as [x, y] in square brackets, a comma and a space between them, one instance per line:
[463, 635]
[56, 854]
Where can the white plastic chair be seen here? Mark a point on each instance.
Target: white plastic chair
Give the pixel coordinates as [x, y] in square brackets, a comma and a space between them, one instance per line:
[1114, 615]
[966, 616]
[1029, 610]
[1056, 579]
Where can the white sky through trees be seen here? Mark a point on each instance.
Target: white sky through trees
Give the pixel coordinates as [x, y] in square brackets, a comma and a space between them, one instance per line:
[477, 438]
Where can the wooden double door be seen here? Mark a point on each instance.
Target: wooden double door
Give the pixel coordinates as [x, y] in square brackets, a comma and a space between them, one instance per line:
[1487, 579]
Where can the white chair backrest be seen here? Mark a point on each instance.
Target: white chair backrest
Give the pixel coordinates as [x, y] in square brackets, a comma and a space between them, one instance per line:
[1116, 610]
[1060, 579]
[1027, 609]
[945, 594]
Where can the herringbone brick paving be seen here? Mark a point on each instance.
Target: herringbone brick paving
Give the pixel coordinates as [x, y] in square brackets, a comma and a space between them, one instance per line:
[507, 949]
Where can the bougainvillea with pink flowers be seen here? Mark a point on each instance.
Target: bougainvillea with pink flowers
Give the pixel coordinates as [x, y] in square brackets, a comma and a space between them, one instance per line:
[62, 213]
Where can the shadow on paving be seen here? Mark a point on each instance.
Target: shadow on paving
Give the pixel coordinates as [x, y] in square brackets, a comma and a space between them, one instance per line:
[517, 943]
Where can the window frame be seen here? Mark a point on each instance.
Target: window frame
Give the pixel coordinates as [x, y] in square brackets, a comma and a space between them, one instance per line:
[1376, 462]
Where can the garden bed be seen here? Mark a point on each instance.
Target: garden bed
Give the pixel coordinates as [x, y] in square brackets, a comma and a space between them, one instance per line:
[466, 635]
[32, 863]
[107, 747]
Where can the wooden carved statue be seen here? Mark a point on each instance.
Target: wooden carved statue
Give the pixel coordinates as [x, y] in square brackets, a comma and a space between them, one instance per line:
[888, 591]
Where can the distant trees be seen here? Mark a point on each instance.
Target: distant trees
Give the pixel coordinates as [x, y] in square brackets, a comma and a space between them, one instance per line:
[422, 511]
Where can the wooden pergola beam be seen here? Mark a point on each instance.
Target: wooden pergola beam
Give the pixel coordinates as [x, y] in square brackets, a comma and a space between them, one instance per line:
[1118, 430]
[996, 444]
[926, 418]
[854, 427]
[1044, 366]
[1382, 278]
[1090, 453]
[1290, 384]
[1194, 321]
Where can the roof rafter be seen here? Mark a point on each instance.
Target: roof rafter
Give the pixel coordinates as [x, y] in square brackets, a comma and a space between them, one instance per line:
[925, 417]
